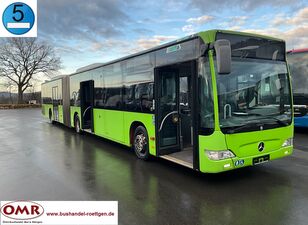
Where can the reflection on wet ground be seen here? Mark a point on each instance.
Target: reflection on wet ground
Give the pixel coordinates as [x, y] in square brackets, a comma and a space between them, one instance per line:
[40, 161]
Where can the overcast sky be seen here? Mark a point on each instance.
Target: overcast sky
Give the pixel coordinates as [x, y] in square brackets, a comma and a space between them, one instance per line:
[94, 31]
[91, 31]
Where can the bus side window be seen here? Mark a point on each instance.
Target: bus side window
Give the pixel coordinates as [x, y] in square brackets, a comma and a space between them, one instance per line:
[143, 97]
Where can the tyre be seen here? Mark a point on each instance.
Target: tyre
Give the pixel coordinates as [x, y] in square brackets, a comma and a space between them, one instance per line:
[141, 143]
[77, 125]
[50, 116]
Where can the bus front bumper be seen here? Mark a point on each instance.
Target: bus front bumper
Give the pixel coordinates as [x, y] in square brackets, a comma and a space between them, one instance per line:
[237, 162]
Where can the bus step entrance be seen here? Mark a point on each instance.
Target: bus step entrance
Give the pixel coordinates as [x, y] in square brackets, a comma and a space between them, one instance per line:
[87, 130]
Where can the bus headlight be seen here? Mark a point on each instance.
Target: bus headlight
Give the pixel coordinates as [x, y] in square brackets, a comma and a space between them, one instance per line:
[288, 142]
[219, 155]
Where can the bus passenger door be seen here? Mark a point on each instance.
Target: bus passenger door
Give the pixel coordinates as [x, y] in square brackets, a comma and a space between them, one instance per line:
[55, 103]
[86, 104]
[167, 110]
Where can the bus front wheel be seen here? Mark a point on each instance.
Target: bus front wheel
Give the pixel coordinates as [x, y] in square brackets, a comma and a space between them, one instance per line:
[77, 125]
[141, 143]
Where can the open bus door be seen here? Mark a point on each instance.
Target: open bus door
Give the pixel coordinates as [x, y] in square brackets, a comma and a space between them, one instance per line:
[86, 104]
[55, 103]
[167, 110]
[175, 109]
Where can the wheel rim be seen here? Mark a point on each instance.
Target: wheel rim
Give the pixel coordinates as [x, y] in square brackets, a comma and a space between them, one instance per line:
[140, 144]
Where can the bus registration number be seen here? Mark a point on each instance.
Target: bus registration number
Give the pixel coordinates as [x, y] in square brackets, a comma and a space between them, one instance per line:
[261, 159]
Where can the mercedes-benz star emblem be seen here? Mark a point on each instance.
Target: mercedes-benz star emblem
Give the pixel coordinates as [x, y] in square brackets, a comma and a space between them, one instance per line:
[261, 146]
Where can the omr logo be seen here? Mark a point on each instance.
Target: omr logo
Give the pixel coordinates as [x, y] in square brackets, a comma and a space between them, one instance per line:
[22, 210]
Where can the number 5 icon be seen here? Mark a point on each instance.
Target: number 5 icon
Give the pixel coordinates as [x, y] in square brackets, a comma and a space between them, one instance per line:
[18, 11]
[18, 18]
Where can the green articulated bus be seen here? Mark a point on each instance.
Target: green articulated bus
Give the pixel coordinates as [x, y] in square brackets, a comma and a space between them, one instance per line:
[214, 101]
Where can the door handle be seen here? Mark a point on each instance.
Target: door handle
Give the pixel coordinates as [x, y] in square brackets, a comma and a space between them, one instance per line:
[84, 113]
[163, 121]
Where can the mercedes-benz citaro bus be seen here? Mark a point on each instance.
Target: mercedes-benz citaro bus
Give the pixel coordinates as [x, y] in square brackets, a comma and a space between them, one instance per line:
[213, 101]
[298, 63]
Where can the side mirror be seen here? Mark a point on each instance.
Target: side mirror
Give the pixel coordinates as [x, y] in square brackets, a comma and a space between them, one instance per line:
[223, 56]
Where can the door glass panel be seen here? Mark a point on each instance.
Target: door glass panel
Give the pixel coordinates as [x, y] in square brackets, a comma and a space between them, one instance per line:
[184, 98]
[185, 112]
[169, 109]
[55, 103]
[86, 103]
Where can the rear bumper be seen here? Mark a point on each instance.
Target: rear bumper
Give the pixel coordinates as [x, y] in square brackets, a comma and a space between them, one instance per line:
[237, 162]
[301, 121]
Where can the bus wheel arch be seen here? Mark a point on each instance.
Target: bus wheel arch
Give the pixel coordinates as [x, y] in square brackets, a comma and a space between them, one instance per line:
[132, 129]
[140, 140]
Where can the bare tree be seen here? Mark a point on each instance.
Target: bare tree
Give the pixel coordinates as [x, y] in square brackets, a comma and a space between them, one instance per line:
[21, 59]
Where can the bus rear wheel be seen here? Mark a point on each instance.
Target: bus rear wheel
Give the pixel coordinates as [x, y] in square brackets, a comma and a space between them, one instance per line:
[50, 116]
[141, 143]
[77, 125]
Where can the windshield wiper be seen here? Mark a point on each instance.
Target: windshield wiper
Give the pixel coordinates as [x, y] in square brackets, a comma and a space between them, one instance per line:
[271, 116]
[279, 121]
[244, 126]
[246, 114]
[257, 124]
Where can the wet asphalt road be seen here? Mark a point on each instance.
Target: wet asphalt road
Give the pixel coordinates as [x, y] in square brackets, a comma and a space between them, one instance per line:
[41, 161]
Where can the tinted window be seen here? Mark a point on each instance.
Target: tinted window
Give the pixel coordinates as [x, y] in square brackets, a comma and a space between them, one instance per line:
[112, 79]
[46, 93]
[47, 97]
[256, 90]
[75, 86]
[99, 91]
[138, 81]
[299, 73]
[298, 63]
[254, 47]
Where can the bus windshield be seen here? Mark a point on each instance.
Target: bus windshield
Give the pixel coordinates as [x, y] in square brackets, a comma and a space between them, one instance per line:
[299, 71]
[255, 94]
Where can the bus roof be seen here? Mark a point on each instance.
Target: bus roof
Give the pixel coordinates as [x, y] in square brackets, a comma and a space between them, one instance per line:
[298, 50]
[59, 77]
[81, 70]
[207, 36]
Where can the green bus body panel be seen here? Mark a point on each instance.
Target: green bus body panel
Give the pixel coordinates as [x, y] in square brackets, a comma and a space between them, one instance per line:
[45, 110]
[208, 36]
[60, 108]
[244, 146]
[115, 125]
[73, 110]
[215, 95]
[109, 124]
[47, 107]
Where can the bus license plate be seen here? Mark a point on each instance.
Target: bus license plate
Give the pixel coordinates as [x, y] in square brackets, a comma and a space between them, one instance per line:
[261, 159]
